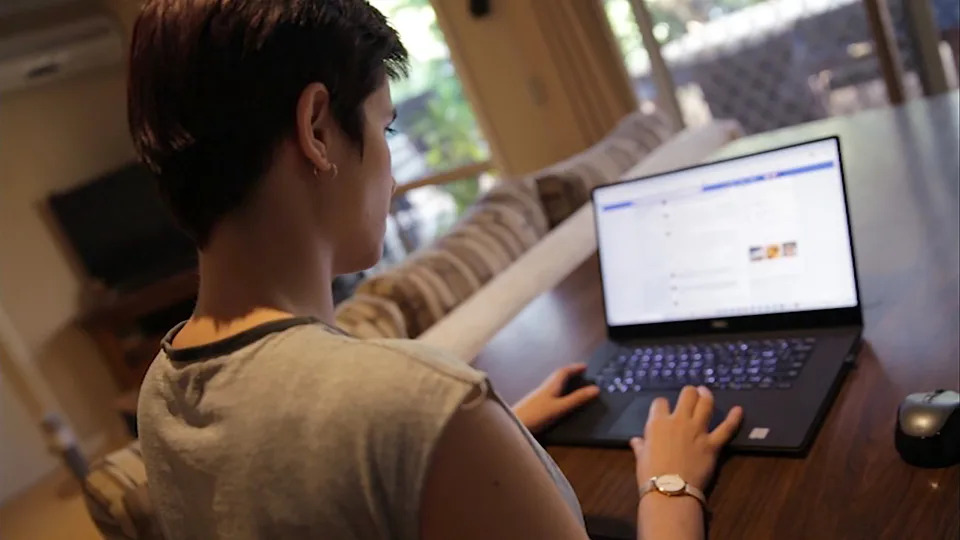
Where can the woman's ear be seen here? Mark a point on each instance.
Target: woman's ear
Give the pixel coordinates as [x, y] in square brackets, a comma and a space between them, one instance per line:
[313, 125]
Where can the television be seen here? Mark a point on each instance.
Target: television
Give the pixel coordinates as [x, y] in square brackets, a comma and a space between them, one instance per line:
[120, 232]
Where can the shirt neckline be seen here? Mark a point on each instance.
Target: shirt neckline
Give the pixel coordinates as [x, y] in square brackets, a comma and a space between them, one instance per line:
[231, 344]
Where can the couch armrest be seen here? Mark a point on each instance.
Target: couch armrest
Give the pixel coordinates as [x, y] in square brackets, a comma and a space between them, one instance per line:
[466, 330]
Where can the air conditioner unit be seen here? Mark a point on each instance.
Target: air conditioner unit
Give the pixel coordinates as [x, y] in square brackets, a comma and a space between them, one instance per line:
[33, 57]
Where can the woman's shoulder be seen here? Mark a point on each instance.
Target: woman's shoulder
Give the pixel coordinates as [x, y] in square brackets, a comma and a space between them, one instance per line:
[401, 391]
[426, 357]
[379, 363]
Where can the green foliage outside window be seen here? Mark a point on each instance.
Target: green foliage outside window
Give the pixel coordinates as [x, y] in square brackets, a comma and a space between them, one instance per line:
[445, 125]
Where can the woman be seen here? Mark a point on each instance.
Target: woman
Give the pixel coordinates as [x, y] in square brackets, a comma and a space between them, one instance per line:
[265, 124]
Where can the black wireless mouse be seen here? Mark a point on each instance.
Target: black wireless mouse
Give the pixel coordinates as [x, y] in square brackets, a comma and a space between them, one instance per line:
[928, 429]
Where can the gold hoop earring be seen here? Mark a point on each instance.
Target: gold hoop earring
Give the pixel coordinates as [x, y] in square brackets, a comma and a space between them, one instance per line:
[333, 167]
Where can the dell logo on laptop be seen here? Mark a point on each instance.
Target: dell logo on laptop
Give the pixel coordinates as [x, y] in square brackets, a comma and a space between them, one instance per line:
[719, 325]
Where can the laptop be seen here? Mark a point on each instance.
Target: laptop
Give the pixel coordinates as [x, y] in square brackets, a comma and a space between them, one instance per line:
[738, 275]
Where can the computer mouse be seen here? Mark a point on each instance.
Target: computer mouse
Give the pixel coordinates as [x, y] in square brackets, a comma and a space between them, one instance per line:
[928, 429]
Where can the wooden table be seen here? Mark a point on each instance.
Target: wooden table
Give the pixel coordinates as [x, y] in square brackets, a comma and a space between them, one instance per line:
[902, 173]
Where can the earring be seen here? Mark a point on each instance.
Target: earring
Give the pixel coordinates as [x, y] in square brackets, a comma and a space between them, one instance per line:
[333, 167]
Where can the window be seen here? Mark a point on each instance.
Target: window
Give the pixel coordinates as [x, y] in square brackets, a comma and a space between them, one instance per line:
[766, 63]
[437, 142]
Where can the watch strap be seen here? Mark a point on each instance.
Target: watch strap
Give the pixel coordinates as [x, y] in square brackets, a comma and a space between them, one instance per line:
[696, 493]
[648, 486]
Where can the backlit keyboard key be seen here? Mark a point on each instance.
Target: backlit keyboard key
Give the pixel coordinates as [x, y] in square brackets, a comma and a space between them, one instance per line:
[730, 365]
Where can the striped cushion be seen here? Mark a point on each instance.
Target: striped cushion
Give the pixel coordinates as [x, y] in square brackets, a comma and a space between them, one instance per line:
[561, 195]
[604, 164]
[438, 295]
[370, 317]
[507, 216]
[433, 282]
[498, 252]
[565, 187]
[503, 234]
[491, 236]
[396, 286]
[458, 275]
[470, 251]
[524, 199]
[647, 131]
[115, 492]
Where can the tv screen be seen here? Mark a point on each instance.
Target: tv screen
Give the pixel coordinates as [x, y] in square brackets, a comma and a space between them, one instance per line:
[120, 231]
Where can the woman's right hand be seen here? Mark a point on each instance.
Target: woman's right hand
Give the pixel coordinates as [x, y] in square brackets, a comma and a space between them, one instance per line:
[678, 442]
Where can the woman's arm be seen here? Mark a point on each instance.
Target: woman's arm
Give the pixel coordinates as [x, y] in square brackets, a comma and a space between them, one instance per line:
[670, 517]
[677, 442]
[485, 481]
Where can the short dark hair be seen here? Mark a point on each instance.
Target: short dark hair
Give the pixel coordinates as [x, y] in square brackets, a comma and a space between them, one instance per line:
[214, 86]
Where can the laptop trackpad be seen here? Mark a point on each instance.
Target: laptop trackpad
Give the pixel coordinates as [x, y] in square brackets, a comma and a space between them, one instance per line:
[632, 420]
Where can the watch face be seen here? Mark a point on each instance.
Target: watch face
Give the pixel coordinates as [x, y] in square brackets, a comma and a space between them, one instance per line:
[670, 484]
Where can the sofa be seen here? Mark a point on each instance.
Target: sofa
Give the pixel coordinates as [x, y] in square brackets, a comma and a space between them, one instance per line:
[469, 261]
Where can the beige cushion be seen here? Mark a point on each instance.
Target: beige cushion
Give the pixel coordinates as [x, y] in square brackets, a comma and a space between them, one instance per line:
[491, 243]
[115, 492]
[433, 282]
[396, 286]
[523, 198]
[561, 195]
[647, 131]
[506, 224]
[370, 317]
[460, 277]
[566, 187]
[526, 233]
[471, 252]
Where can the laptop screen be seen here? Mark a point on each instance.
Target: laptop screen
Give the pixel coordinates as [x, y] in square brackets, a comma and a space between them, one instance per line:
[756, 235]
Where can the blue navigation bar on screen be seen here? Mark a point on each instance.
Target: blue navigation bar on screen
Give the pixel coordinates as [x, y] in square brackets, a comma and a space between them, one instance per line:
[771, 176]
[614, 206]
[741, 181]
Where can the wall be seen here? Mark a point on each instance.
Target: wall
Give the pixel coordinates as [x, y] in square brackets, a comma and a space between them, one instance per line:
[23, 458]
[545, 77]
[52, 138]
[124, 10]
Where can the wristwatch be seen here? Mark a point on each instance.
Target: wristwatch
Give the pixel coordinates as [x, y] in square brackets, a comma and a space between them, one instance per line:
[672, 485]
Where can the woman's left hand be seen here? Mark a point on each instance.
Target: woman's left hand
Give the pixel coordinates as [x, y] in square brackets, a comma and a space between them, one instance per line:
[547, 404]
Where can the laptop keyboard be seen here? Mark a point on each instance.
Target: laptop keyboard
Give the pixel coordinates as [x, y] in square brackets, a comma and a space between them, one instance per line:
[727, 365]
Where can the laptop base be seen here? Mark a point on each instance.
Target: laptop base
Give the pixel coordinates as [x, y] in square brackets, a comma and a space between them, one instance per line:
[776, 421]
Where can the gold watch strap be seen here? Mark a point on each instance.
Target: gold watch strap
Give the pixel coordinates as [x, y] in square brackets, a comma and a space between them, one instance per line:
[694, 492]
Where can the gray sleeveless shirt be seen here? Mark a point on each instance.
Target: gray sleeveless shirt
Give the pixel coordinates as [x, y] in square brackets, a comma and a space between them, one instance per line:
[289, 430]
